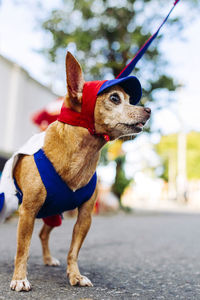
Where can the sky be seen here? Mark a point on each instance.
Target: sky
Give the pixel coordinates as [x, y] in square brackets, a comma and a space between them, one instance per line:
[20, 36]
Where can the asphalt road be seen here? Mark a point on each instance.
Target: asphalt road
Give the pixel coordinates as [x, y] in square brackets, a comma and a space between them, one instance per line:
[125, 256]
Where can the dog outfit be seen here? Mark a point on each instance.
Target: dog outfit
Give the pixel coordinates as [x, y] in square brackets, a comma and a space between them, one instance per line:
[8, 191]
[59, 197]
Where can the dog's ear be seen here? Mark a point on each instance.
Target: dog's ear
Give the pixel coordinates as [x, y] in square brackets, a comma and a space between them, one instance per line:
[75, 82]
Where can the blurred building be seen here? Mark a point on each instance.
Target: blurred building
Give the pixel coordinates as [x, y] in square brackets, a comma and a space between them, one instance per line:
[20, 97]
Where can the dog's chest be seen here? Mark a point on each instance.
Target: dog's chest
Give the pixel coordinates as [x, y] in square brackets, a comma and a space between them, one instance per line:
[59, 196]
[80, 172]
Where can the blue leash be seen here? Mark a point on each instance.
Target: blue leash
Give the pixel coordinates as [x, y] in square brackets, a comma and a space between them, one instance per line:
[129, 68]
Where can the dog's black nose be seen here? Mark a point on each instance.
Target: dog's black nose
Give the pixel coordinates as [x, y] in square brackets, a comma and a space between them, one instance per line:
[147, 109]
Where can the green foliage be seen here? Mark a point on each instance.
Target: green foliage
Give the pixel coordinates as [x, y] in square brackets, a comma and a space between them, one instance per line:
[104, 156]
[167, 148]
[106, 36]
[121, 182]
[193, 155]
[167, 144]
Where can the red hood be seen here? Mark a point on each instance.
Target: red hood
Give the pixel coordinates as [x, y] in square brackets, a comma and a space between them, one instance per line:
[85, 118]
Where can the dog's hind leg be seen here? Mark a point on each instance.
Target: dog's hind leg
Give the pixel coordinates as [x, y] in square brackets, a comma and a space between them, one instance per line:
[79, 233]
[44, 237]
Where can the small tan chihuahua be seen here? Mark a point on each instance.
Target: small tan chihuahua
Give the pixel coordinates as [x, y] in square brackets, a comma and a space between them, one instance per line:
[74, 153]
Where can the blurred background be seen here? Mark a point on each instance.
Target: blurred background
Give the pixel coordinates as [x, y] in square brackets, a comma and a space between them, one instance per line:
[160, 168]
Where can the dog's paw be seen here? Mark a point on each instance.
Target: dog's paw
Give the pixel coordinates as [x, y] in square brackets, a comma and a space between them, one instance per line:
[79, 280]
[20, 285]
[51, 261]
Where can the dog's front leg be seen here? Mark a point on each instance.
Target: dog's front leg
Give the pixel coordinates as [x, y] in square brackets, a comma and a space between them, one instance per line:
[25, 228]
[79, 233]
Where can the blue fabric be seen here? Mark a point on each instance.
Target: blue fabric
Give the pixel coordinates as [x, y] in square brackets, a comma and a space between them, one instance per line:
[130, 84]
[60, 197]
[19, 192]
[2, 199]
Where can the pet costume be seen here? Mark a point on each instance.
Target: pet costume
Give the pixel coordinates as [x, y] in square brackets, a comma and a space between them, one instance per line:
[8, 189]
[59, 197]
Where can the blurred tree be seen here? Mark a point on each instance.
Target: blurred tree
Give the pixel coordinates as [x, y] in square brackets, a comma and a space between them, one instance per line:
[193, 155]
[104, 35]
[121, 181]
[114, 151]
[167, 149]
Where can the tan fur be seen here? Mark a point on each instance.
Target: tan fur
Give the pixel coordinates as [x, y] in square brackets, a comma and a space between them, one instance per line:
[112, 119]
[44, 237]
[74, 153]
[68, 148]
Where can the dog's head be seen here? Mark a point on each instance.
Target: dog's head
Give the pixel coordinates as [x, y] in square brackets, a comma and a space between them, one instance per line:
[103, 111]
[116, 116]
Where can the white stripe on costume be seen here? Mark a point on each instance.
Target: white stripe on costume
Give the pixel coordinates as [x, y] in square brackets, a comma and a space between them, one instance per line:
[7, 185]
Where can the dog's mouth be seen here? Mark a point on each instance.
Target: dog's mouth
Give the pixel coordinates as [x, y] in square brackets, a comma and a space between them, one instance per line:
[137, 127]
[138, 124]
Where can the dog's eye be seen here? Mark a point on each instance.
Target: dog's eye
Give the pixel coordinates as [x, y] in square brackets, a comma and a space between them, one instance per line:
[115, 98]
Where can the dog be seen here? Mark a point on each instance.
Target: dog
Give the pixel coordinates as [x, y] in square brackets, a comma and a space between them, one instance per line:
[72, 149]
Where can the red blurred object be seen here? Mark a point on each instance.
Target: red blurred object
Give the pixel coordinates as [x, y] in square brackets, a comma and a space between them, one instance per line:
[42, 116]
[53, 221]
[48, 115]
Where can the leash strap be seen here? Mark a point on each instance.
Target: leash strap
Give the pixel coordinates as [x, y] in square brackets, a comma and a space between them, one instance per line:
[129, 68]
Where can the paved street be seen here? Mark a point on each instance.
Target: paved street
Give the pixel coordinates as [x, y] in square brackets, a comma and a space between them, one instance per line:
[126, 257]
